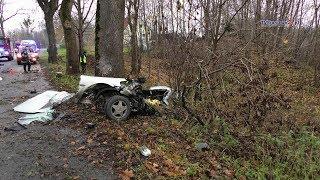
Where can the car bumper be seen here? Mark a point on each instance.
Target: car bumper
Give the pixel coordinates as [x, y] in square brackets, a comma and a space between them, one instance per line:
[5, 57]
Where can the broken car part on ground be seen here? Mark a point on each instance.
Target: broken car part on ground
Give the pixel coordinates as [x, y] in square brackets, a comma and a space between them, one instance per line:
[40, 107]
[118, 97]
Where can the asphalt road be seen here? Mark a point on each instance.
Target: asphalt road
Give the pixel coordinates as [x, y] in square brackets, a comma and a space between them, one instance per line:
[15, 88]
[41, 151]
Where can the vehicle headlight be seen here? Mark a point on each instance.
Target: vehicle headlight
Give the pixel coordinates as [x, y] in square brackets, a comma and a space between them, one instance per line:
[6, 53]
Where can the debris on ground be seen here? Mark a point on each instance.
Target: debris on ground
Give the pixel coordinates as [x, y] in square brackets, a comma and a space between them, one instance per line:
[40, 107]
[39, 103]
[145, 151]
[90, 126]
[60, 116]
[33, 92]
[59, 74]
[18, 127]
[202, 146]
[45, 116]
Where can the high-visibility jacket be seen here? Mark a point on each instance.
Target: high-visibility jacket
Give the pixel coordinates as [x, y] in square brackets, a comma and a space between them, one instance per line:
[83, 59]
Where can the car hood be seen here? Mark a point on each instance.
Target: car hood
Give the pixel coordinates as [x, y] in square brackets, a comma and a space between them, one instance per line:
[91, 80]
[87, 82]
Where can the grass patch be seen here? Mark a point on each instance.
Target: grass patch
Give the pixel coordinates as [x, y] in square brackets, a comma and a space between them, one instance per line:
[62, 81]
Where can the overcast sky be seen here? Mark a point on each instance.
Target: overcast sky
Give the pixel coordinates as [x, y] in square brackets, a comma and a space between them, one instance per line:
[31, 9]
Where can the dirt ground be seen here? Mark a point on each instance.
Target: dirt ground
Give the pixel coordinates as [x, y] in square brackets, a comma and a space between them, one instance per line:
[42, 151]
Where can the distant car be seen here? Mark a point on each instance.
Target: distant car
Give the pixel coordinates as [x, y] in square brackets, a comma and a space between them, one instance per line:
[5, 49]
[33, 56]
[29, 43]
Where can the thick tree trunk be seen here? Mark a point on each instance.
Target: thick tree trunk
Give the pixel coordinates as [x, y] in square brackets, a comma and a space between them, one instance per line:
[69, 37]
[135, 50]
[109, 38]
[52, 49]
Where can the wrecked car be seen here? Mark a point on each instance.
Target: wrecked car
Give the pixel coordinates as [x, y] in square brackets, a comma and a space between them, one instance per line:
[118, 97]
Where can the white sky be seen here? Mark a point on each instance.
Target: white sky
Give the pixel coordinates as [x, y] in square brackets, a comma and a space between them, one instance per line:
[31, 9]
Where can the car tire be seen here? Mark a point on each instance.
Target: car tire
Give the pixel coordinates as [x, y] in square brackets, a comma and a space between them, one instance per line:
[117, 108]
[19, 63]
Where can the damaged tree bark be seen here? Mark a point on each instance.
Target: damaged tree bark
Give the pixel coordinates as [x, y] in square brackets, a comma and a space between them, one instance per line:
[109, 38]
[133, 24]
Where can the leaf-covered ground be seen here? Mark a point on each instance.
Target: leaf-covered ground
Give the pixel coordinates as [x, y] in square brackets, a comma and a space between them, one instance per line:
[173, 147]
[285, 146]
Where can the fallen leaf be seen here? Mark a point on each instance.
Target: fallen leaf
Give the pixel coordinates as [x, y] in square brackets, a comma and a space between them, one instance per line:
[76, 177]
[228, 173]
[127, 175]
[169, 163]
[152, 167]
[90, 141]
[81, 148]
[126, 147]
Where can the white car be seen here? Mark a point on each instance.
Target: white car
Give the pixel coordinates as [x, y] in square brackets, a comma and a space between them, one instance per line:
[118, 97]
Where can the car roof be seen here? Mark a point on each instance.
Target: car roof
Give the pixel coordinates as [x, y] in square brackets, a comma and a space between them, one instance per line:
[28, 42]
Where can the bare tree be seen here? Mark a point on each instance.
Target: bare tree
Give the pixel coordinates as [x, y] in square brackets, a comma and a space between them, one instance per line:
[69, 37]
[27, 25]
[3, 19]
[49, 8]
[109, 38]
[83, 10]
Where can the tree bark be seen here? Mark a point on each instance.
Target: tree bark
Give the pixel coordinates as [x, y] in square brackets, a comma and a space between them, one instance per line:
[52, 48]
[135, 50]
[2, 29]
[80, 26]
[109, 38]
[69, 37]
[49, 8]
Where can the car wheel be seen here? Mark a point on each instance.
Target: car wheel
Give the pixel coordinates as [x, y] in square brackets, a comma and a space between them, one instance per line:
[117, 108]
[19, 63]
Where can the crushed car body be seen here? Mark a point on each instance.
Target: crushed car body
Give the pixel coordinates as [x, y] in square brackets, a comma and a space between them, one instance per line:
[118, 97]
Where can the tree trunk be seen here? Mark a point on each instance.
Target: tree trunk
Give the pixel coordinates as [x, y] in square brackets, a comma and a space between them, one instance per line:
[80, 27]
[109, 38]
[52, 49]
[2, 29]
[69, 37]
[316, 48]
[135, 50]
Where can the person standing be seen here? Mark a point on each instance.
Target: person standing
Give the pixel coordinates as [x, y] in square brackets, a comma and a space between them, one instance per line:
[83, 62]
[26, 60]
